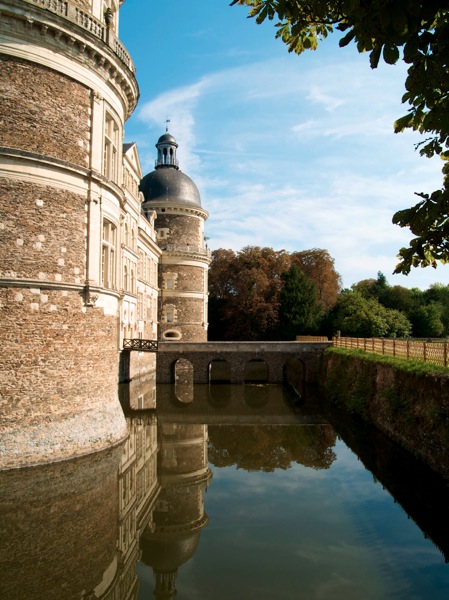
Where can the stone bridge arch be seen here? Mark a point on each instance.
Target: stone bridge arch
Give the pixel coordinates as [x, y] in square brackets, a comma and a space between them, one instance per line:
[277, 355]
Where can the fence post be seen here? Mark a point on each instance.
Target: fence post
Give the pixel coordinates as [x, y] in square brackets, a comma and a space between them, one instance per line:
[425, 351]
[383, 345]
[445, 354]
[394, 347]
[408, 349]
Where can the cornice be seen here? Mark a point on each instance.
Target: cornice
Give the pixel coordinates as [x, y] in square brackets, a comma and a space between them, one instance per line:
[87, 292]
[57, 164]
[176, 209]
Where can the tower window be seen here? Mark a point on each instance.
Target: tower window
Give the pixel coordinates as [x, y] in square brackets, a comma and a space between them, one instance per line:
[111, 144]
[169, 314]
[125, 278]
[108, 255]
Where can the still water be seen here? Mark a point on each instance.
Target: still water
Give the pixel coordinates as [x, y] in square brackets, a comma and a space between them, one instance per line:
[240, 494]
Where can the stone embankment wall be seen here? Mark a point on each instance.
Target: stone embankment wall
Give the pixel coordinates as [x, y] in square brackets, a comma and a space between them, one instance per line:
[412, 408]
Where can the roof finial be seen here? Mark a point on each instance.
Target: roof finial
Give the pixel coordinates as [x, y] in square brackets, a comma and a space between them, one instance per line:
[166, 125]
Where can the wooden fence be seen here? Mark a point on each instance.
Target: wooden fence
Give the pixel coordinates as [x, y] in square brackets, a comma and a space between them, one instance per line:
[312, 338]
[436, 352]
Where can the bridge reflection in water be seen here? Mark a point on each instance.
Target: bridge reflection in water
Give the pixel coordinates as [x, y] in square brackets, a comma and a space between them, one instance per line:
[123, 524]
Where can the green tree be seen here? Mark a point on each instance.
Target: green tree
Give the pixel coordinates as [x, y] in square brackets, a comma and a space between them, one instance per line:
[419, 29]
[357, 316]
[372, 288]
[427, 321]
[299, 310]
[439, 294]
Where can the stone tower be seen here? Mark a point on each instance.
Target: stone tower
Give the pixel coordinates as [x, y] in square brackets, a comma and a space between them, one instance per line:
[180, 233]
[68, 85]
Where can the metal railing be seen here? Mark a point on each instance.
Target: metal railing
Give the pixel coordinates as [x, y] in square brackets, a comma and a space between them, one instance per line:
[140, 345]
[435, 352]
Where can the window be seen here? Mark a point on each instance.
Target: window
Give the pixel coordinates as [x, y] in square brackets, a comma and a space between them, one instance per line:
[133, 238]
[140, 264]
[126, 234]
[125, 278]
[108, 254]
[111, 144]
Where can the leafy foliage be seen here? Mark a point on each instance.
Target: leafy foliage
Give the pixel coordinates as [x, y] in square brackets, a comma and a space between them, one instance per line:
[428, 311]
[245, 291]
[417, 29]
[357, 316]
[299, 311]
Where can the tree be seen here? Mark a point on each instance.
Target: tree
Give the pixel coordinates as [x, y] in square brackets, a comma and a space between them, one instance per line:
[299, 310]
[439, 294]
[244, 292]
[319, 267]
[245, 288]
[427, 321]
[357, 316]
[385, 28]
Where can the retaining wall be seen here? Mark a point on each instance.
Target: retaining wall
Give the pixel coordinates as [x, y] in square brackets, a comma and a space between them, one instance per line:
[412, 408]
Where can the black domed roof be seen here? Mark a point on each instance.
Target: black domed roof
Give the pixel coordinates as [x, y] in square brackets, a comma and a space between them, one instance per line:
[167, 138]
[168, 184]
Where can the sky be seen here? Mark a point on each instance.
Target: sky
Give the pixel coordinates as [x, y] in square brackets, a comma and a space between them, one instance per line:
[290, 152]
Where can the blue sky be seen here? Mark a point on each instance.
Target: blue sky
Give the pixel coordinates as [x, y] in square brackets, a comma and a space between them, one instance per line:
[287, 152]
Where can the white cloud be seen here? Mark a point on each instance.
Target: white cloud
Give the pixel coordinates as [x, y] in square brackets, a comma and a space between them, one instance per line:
[297, 156]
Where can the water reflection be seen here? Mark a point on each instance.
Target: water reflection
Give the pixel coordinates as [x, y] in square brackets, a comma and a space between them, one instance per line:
[79, 529]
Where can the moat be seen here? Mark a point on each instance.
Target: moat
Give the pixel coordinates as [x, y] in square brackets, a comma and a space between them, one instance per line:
[242, 493]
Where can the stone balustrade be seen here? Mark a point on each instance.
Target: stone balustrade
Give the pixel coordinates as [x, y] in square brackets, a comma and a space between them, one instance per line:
[187, 248]
[89, 23]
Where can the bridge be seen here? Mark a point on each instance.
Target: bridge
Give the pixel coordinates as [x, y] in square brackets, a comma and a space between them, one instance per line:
[240, 362]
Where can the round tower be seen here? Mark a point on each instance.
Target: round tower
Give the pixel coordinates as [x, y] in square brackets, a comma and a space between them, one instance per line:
[180, 234]
[68, 85]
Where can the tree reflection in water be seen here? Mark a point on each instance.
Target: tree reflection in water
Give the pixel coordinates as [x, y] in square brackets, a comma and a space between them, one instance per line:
[270, 447]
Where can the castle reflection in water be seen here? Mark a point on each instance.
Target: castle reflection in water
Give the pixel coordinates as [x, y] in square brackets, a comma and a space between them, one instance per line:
[97, 527]
[78, 529]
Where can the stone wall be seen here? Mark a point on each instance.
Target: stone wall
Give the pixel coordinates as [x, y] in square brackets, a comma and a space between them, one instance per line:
[60, 389]
[189, 278]
[45, 230]
[51, 118]
[183, 229]
[412, 408]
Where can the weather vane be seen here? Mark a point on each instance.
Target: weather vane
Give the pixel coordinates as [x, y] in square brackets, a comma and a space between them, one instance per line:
[166, 125]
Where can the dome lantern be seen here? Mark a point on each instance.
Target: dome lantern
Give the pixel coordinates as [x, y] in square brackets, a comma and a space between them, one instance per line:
[166, 151]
